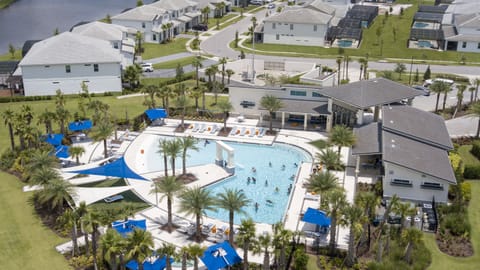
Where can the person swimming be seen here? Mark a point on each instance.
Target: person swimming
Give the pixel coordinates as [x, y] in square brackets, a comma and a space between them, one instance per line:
[283, 167]
[248, 180]
[269, 164]
[254, 170]
[256, 206]
[295, 164]
[254, 180]
[277, 189]
[269, 202]
[266, 183]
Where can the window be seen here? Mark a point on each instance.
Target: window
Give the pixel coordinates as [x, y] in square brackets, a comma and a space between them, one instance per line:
[278, 37]
[95, 67]
[291, 26]
[143, 25]
[315, 94]
[314, 28]
[298, 93]
[401, 182]
[431, 185]
[478, 45]
[464, 44]
[67, 69]
[154, 37]
[46, 66]
[274, 25]
[115, 45]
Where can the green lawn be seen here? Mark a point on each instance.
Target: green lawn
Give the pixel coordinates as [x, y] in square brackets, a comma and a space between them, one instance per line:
[25, 242]
[320, 144]
[212, 22]
[5, 3]
[467, 157]
[158, 50]
[442, 261]
[173, 64]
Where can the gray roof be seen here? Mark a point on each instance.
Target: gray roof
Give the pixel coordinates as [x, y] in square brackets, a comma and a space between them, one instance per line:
[70, 48]
[8, 67]
[464, 37]
[101, 30]
[417, 156]
[142, 13]
[304, 106]
[467, 20]
[321, 6]
[173, 4]
[369, 93]
[416, 124]
[368, 139]
[300, 16]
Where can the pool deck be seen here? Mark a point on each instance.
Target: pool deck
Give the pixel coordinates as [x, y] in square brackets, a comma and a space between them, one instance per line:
[131, 144]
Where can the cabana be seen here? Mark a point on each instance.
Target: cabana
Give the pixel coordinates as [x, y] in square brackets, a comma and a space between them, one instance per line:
[316, 217]
[80, 125]
[117, 168]
[53, 139]
[156, 115]
[220, 256]
[61, 151]
[126, 227]
[149, 264]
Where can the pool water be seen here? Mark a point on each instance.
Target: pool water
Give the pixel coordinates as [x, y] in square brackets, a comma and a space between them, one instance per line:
[345, 43]
[424, 44]
[247, 156]
[420, 25]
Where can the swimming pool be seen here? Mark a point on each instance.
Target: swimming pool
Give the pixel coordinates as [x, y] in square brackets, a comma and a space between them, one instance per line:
[424, 44]
[247, 156]
[420, 25]
[345, 43]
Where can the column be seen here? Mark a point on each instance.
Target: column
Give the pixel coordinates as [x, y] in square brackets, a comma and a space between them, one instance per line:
[283, 119]
[260, 120]
[231, 162]
[360, 117]
[376, 113]
[305, 116]
[219, 156]
[329, 123]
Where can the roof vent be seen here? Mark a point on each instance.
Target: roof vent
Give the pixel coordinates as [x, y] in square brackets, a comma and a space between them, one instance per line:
[391, 121]
[393, 141]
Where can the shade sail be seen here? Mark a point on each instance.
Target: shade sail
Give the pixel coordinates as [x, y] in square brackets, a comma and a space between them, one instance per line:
[125, 227]
[61, 151]
[154, 114]
[90, 195]
[220, 256]
[80, 125]
[117, 168]
[316, 217]
[54, 139]
[158, 264]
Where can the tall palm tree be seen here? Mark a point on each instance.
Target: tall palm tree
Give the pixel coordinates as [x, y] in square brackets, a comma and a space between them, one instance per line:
[62, 116]
[195, 201]
[101, 132]
[368, 201]
[31, 135]
[76, 152]
[56, 193]
[139, 245]
[330, 159]
[205, 13]
[69, 220]
[460, 89]
[337, 200]
[438, 87]
[99, 109]
[184, 256]
[403, 210]
[197, 64]
[182, 103]
[471, 89]
[168, 250]
[93, 221]
[168, 187]
[112, 245]
[27, 114]
[281, 239]
[245, 236]
[412, 236]
[353, 218]
[163, 145]
[46, 118]
[43, 176]
[174, 148]
[342, 136]
[263, 245]
[9, 120]
[271, 104]
[225, 106]
[196, 94]
[475, 111]
[151, 90]
[321, 183]
[195, 251]
[447, 90]
[339, 64]
[223, 61]
[187, 143]
[232, 200]
[229, 73]
[363, 67]
[41, 159]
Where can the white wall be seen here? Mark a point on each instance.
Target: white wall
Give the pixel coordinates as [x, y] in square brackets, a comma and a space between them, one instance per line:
[302, 34]
[41, 80]
[471, 46]
[415, 192]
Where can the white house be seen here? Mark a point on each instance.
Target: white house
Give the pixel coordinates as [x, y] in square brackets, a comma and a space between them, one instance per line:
[186, 12]
[466, 38]
[66, 60]
[214, 5]
[120, 38]
[301, 26]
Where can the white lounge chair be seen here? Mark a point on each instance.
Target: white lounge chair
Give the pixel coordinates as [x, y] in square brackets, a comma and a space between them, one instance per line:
[233, 131]
[195, 127]
[242, 131]
[202, 128]
[214, 129]
[252, 132]
[262, 132]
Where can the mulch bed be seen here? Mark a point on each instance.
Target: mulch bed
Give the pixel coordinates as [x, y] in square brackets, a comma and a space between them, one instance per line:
[165, 228]
[455, 246]
[187, 178]
[180, 129]
[224, 132]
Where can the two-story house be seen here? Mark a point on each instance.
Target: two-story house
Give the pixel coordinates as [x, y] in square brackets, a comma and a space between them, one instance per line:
[466, 37]
[184, 11]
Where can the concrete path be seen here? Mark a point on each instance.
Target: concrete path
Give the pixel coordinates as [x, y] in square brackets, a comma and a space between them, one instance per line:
[462, 126]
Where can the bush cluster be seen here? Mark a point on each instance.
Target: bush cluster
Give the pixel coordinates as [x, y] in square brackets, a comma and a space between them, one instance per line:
[23, 98]
[476, 149]
[472, 172]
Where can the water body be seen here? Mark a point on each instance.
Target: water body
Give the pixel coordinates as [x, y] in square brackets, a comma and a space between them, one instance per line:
[37, 19]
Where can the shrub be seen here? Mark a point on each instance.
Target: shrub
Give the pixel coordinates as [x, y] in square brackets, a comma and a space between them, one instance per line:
[457, 224]
[301, 259]
[7, 160]
[472, 172]
[476, 149]
[466, 188]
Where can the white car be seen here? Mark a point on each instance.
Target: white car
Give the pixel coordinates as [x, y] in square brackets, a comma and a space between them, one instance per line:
[147, 67]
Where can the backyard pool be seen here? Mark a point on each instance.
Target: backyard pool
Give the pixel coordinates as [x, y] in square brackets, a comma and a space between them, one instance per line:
[420, 25]
[424, 44]
[345, 43]
[271, 180]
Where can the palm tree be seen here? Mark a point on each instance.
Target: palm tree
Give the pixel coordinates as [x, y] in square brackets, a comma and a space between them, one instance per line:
[245, 236]
[271, 104]
[46, 118]
[438, 87]
[337, 200]
[184, 256]
[369, 202]
[263, 245]
[167, 92]
[9, 120]
[168, 250]
[472, 91]
[151, 90]
[403, 210]
[41, 159]
[187, 143]
[339, 64]
[182, 103]
[174, 148]
[62, 116]
[353, 218]
[330, 159]
[281, 239]
[99, 109]
[363, 66]
[31, 135]
[69, 220]
[342, 136]
[321, 183]
[476, 82]
[101, 132]
[195, 201]
[76, 152]
[225, 106]
[195, 251]
[222, 62]
[412, 236]
[163, 145]
[229, 73]
[56, 193]
[93, 220]
[205, 12]
[447, 90]
[132, 75]
[197, 64]
[196, 94]
[112, 245]
[43, 176]
[232, 200]
[461, 88]
[168, 187]
[475, 110]
[139, 245]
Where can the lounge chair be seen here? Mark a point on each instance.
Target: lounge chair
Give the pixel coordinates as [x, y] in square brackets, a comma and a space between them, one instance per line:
[113, 198]
[233, 131]
[206, 229]
[242, 131]
[214, 129]
[202, 128]
[252, 132]
[195, 127]
[262, 132]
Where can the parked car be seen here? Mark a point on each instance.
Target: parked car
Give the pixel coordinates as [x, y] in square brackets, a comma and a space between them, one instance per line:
[425, 91]
[256, 2]
[147, 67]
[200, 27]
[271, 6]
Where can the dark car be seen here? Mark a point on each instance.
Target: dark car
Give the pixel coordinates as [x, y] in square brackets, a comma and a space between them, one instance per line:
[200, 27]
[425, 91]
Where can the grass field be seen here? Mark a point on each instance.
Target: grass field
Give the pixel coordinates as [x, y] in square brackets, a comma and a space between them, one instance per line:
[158, 50]
[441, 261]
[25, 242]
[173, 64]
[212, 22]
[467, 157]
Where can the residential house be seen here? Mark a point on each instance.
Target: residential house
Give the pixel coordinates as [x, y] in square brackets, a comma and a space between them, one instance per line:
[186, 12]
[217, 7]
[67, 60]
[466, 37]
[408, 149]
[120, 37]
[6, 70]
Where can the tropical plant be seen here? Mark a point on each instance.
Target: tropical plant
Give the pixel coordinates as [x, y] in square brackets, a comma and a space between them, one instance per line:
[475, 111]
[43, 176]
[139, 245]
[101, 132]
[196, 94]
[412, 236]
[229, 73]
[330, 159]
[460, 89]
[404, 210]
[187, 143]
[342, 136]
[76, 152]
[321, 183]
[197, 64]
[225, 106]
[9, 120]
[46, 118]
[337, 200]
[166, 93]
[223, 61]
[132, 75]
[271, 104]
[339, 64]
[439, 87]
[93, 220]
[281, 240]
[163, 145]
[232, 200]
[195, 201]
[353, 218]
[195, 251]
[245, 236]
[363, 67]
[113, 246]
[41, 159]
[99, 109]
[174, 148]
[368, 201]
[263, 245]
[400, 68]
[56, 193]
[150, 91]
[205, 12]
[69, 220]
[182, 102]
[168, 250]
[168, 187]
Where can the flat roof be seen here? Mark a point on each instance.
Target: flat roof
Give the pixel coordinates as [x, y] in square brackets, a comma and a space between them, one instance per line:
[368, 139]
[304, 106]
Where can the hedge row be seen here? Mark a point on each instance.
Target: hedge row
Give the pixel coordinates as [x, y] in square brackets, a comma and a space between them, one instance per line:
[476, 149]
[36, 98]
[471, 172]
